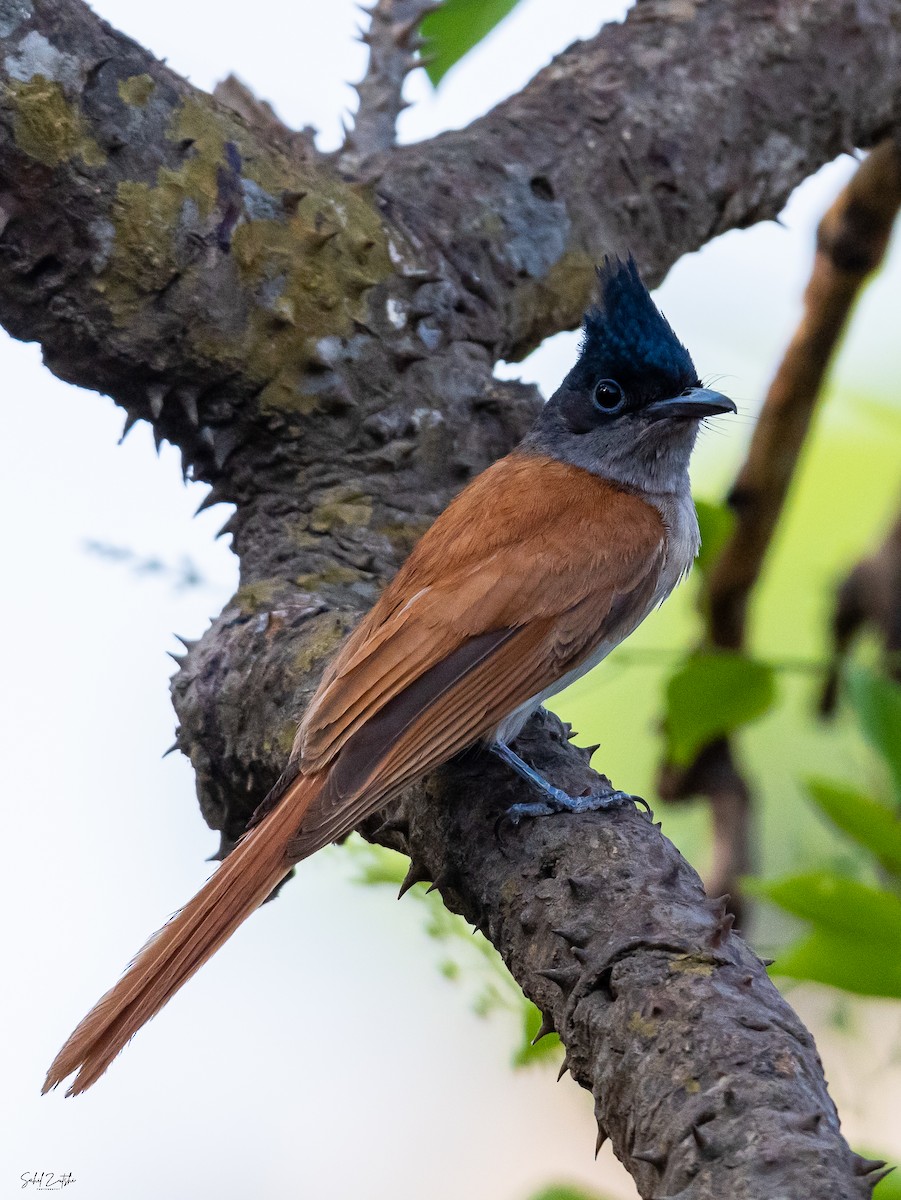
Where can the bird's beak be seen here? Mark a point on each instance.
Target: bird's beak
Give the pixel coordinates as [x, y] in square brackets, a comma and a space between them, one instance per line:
[695, 402]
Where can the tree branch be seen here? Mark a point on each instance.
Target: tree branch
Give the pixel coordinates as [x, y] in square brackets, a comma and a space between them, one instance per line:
[851, 242]
[704, 1079]
[394, 43]
[321, 349]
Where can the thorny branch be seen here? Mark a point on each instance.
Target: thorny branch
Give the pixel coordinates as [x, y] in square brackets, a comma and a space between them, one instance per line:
[394, 43]
[851, 242]
[321, 348]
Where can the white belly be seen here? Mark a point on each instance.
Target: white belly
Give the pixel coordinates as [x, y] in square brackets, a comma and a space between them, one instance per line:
[515, 721]
[682, 543]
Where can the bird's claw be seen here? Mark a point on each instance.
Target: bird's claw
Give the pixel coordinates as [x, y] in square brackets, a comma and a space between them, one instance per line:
[560, 801]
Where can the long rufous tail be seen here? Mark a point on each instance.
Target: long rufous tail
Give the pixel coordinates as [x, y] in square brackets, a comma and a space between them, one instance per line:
[183, 945]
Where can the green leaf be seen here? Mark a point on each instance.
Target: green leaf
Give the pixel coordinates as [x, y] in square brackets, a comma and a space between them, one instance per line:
[525, 1053]
[711, 695]
[868, 822]
[877, 702]
[716, 522]
[868, 917]
[566, 1191]
[458, 25]
[845, 963]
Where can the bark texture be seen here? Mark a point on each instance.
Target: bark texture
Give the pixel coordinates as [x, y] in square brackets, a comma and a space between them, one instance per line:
[320, 346]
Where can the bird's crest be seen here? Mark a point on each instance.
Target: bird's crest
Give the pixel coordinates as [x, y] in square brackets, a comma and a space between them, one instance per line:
[626, 337]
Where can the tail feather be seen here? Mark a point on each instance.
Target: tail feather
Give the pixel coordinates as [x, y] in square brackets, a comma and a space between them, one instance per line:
[187, 941]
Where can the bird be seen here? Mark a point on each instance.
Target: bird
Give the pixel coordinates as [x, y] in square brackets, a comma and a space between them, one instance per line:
[537, 569]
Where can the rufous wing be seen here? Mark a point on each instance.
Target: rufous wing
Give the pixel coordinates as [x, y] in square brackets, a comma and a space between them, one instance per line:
[489, 610]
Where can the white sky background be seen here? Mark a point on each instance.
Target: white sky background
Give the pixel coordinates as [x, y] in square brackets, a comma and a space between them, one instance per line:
[320, 1054]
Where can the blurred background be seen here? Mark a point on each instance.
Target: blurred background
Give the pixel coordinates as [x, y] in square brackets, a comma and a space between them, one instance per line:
[335, 1047]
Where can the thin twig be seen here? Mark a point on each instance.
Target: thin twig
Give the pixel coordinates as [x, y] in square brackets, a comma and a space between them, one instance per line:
[851, 242]
[394, 43]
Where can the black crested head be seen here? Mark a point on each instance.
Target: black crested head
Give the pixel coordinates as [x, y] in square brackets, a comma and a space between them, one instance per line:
[631, 407]
[626, 338]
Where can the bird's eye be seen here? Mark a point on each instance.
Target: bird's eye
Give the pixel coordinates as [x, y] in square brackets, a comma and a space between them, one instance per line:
[609, 397]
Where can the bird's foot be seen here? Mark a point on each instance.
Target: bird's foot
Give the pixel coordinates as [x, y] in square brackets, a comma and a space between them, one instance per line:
[557, 801]
[554, 799]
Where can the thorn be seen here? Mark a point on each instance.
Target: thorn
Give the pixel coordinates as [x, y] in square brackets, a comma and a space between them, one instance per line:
[178, 659]
[413, 875]
[564, 977]
[602, 1128]
[564, 1067]
[440, 882]
[546, 1027]
[188, 397]
[655, 1158]
[130, 421]
[878, 1176]
[588, 751]
[207, 436]
[320, 237]
[291, 199]
[230, 525]
[722, 929]
[156, 394]
[768, 962]
[157, 439]
[705, 1143]
[575, 937]
[402, 31]
[213, 496]
[865, 1166]
[172, 750]
[583, 887]
[188, 643]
